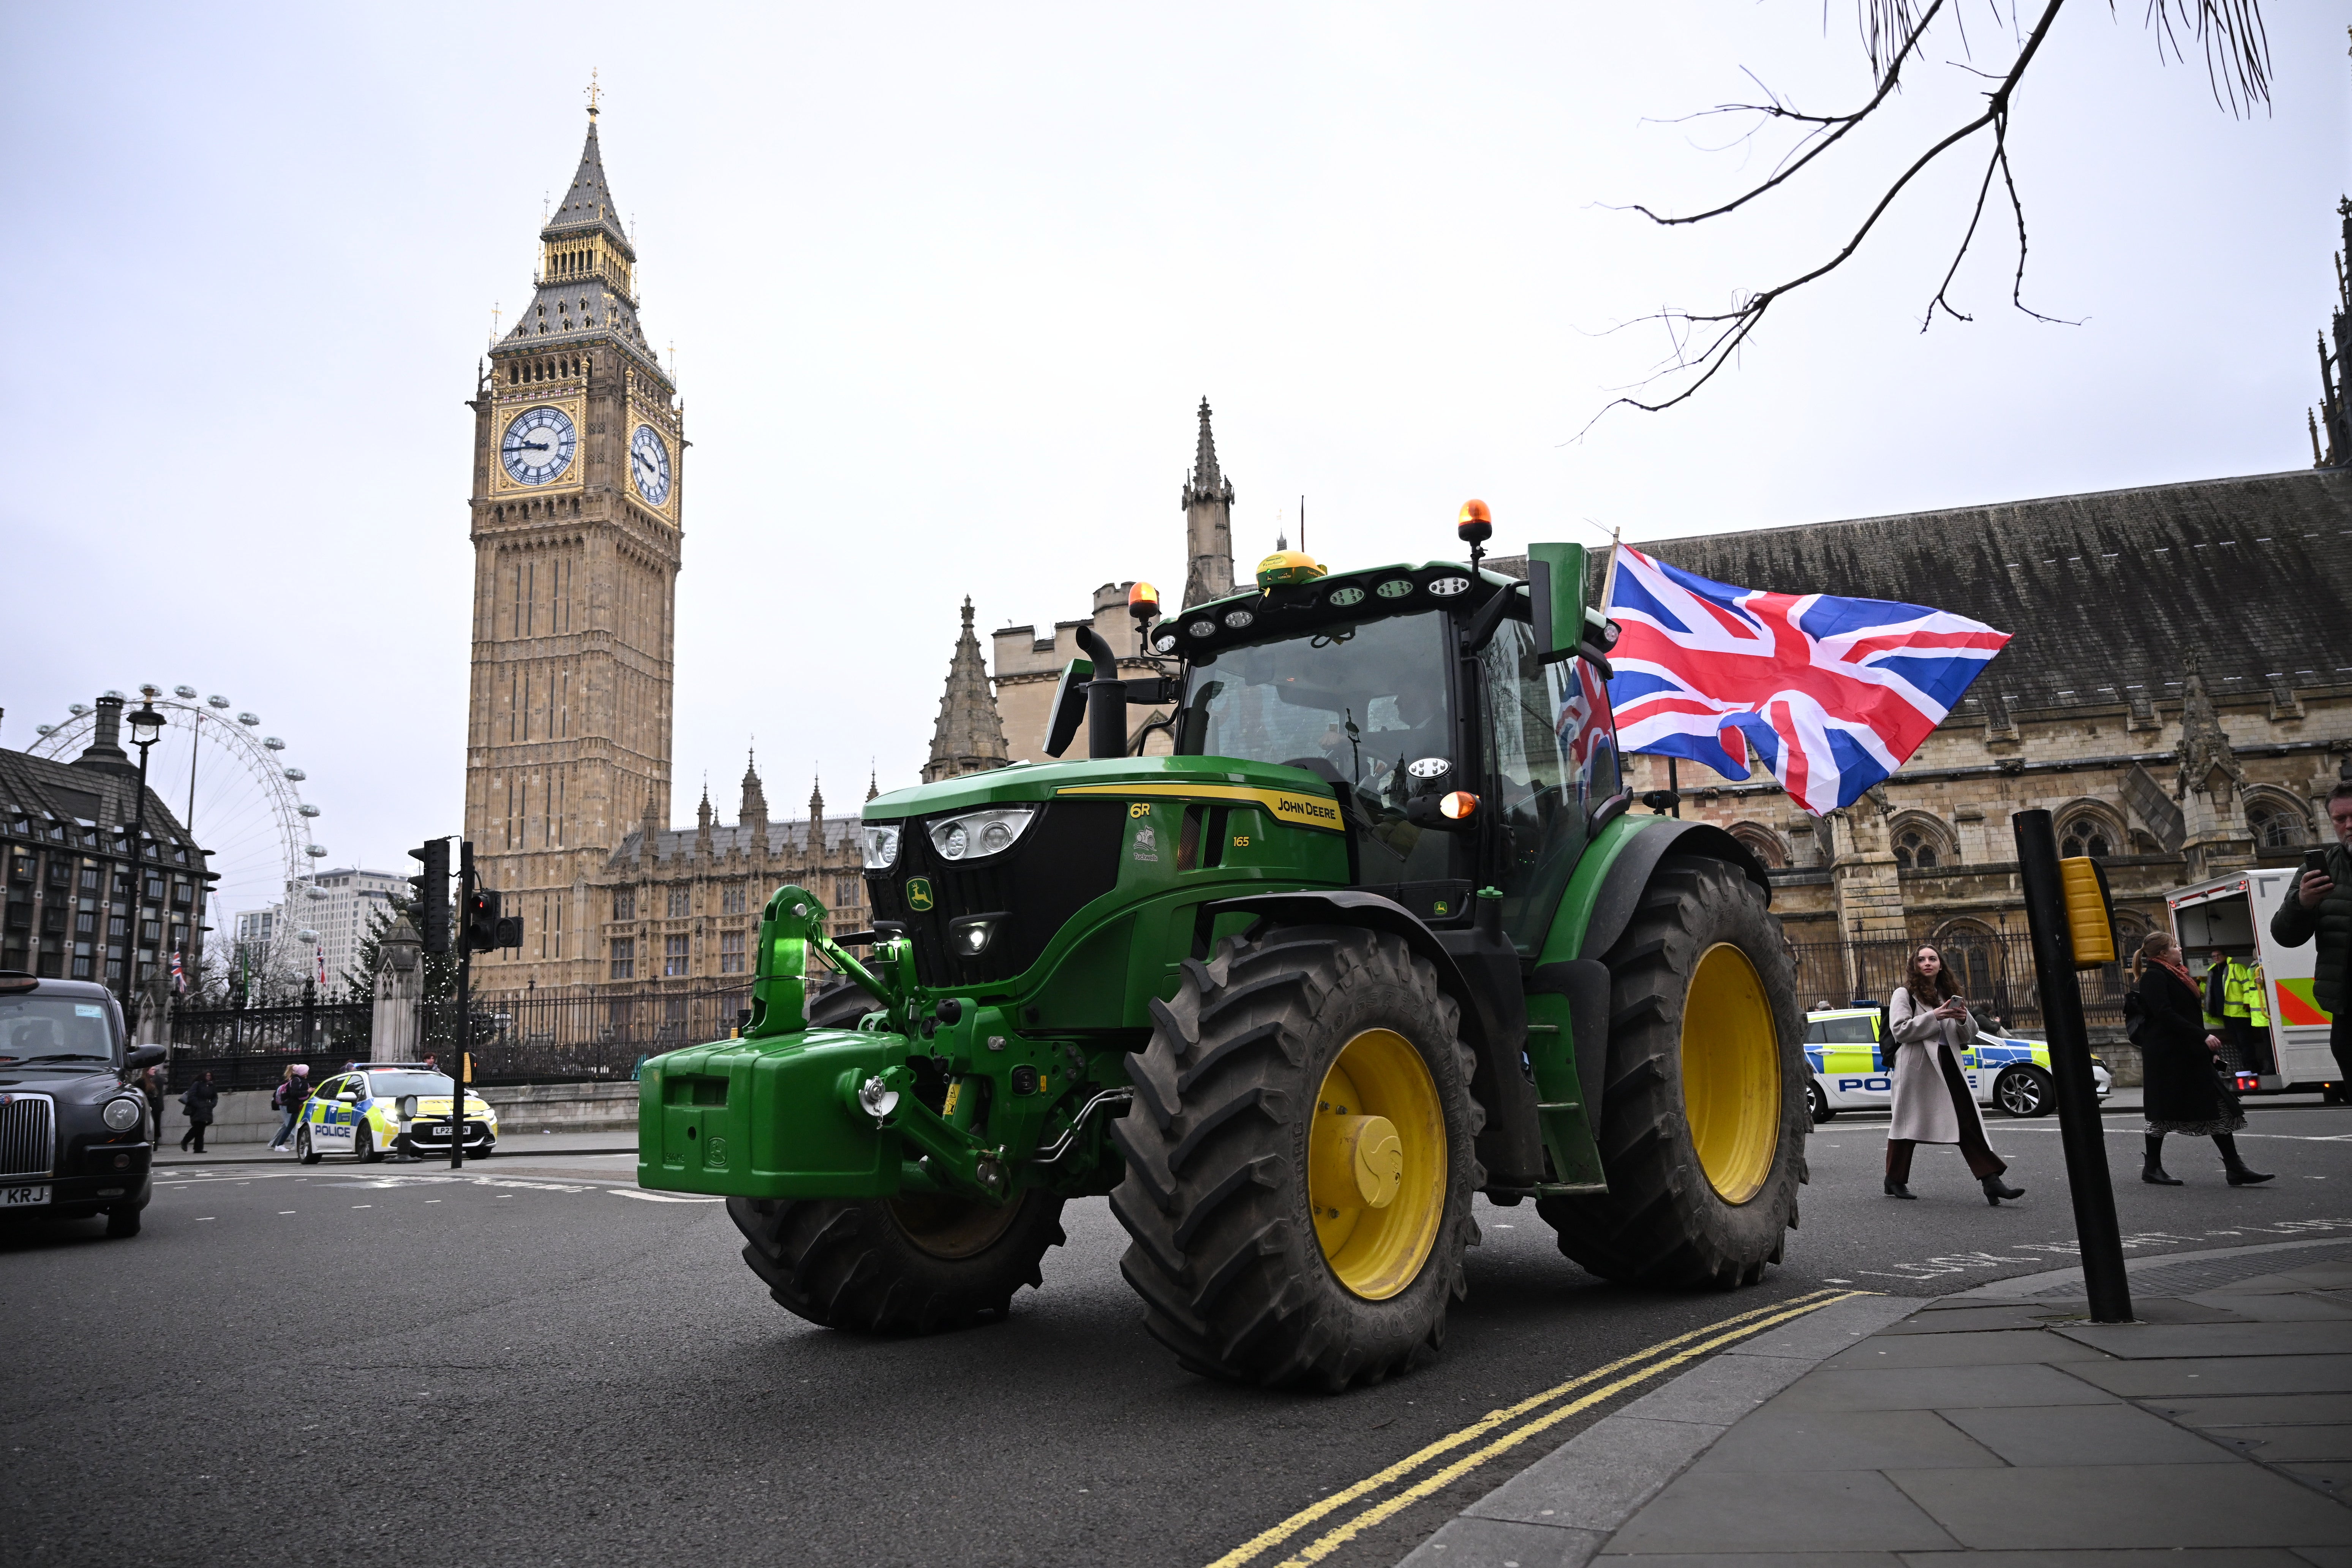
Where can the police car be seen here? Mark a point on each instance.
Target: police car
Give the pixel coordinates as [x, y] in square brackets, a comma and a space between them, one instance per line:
[380, 1108]
[1850, 1070]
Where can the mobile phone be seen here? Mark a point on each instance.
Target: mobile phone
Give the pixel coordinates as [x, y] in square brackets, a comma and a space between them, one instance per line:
[2312, 860]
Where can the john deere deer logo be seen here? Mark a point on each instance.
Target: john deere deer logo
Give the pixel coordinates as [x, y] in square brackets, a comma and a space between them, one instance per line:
[918, 894]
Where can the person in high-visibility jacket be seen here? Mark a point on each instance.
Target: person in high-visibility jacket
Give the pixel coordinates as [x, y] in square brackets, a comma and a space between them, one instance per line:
[2241, 998]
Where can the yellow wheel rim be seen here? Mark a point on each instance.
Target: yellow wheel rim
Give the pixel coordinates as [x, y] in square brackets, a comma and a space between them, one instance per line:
[952, 1227]
[1376, 1164]
[1731, 1073]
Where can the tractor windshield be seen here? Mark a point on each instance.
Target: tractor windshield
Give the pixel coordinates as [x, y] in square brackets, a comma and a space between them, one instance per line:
[1360, 703]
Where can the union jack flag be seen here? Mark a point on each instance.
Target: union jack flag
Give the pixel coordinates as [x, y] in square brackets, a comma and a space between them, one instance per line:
[1834, 694]
[179, 977]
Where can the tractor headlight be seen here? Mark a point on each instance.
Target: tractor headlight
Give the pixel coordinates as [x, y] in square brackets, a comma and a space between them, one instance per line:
[881, 846]
[970, 936]
[976, 834]
[122, 1115]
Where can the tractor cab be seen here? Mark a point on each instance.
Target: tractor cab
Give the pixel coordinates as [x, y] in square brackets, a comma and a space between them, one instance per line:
[1461, 758]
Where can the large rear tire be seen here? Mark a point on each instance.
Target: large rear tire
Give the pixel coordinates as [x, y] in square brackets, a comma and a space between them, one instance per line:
[1704, 1112]
[913, 1265]
[1299, 1160]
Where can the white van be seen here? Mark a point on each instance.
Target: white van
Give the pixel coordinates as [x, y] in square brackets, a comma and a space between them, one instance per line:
[2233, 914]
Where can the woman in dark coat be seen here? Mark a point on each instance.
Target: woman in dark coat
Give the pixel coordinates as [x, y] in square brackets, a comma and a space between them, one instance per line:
[200, 1100]
[2178, 1055]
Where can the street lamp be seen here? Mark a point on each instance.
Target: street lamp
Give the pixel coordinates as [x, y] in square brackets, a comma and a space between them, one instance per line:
[146, 729]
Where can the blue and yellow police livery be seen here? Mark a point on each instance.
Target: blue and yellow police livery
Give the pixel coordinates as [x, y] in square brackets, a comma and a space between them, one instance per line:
[389, 1107]
[1851, 1071]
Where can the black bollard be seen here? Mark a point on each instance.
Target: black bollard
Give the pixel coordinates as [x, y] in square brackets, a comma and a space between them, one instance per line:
[2079, 1127]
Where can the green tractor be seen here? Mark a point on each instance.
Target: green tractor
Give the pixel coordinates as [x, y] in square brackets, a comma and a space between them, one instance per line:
[1378, 935]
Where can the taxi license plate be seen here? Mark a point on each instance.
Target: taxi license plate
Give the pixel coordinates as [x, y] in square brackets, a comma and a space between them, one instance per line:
[22, 1197]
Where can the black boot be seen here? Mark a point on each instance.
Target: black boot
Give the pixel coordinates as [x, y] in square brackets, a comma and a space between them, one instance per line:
[2238, 1175]
[1994, 1192]
[1896, 1189]
[2151, 1169]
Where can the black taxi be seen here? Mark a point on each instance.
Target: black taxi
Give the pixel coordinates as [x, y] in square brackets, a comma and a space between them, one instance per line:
[75, 1133]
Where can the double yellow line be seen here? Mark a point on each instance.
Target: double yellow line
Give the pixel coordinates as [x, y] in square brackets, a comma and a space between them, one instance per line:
[1612, 1379]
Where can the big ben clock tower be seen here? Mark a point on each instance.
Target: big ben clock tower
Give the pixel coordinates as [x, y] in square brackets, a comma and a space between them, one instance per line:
[579, 452]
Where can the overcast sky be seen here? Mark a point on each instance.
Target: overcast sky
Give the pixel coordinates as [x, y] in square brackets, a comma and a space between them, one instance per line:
[946, 283]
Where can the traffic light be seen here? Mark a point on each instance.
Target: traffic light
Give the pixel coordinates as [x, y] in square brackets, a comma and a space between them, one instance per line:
[432, 894]
[486, 928]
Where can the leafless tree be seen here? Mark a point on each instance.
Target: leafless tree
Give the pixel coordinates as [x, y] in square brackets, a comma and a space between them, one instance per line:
[2237, 63]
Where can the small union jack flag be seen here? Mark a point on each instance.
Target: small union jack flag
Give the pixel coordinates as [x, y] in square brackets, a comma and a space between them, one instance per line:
[1834, 694]
[178, 976]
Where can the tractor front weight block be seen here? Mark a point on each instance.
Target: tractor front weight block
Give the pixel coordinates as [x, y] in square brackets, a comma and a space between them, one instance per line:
[780, 1118]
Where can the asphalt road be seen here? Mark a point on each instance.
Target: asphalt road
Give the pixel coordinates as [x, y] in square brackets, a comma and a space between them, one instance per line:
[534, 1363]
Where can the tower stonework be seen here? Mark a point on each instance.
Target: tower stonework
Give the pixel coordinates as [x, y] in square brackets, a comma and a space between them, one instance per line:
[969, 736]
[1208, 524]
[579, 448]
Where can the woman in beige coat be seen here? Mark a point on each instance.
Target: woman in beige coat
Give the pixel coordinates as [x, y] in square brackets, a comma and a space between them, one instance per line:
[1928, 1028]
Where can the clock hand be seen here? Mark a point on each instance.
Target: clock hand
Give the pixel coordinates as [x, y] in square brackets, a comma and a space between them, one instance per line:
[528, 447]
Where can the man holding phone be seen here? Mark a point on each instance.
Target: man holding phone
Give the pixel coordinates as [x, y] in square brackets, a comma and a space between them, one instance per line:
[2321, 908]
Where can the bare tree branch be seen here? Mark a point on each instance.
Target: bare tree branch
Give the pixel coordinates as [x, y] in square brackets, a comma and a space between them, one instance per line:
[1735, 326]
[1843, 123]
[2237, 61]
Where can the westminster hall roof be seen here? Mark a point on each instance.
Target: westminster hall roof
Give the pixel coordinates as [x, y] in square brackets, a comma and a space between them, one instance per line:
[2106, 593]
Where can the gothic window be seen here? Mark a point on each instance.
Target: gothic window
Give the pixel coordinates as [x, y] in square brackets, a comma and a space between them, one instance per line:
[2277, 822]
[730, 902]
[730, 953]
[674, 955]
[677, 904]
[1762, 843]
[1973, 955]
[624, 958]
[624, 904]
[2085, 835]
[1921, 844]
[848, 892]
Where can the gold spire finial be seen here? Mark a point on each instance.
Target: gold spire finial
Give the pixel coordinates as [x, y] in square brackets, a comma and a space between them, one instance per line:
[595, 92]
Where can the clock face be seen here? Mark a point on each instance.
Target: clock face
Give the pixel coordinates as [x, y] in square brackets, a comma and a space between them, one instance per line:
[649, 465]
[538, 446]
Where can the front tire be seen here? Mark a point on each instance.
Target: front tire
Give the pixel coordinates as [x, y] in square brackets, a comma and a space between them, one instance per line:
[1704, 1115]
[911, 1265]
[2025, 1092]
[1299, 1160]
[123, 1222]
[303, 1152]
[363, 1149]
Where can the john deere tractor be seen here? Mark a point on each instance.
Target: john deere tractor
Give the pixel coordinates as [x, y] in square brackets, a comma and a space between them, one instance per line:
[1379, 934]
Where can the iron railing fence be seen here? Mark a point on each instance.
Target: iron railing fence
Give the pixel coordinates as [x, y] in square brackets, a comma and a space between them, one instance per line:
[604, 1032]
[517, 1038]
[1994, 974]
[251, 1048]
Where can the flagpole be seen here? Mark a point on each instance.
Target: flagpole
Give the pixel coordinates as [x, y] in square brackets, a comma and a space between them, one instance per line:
[1608, 577]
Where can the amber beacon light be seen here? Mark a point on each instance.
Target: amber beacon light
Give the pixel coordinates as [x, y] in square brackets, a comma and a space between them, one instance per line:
[1143, 602]
[1475, 526]
[1458, 806]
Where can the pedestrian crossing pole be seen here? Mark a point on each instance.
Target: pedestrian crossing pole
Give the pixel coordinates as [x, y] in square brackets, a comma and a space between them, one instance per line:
[2073, 925]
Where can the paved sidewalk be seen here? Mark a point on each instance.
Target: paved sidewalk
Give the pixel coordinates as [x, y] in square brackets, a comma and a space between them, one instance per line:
[2216, 1432]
